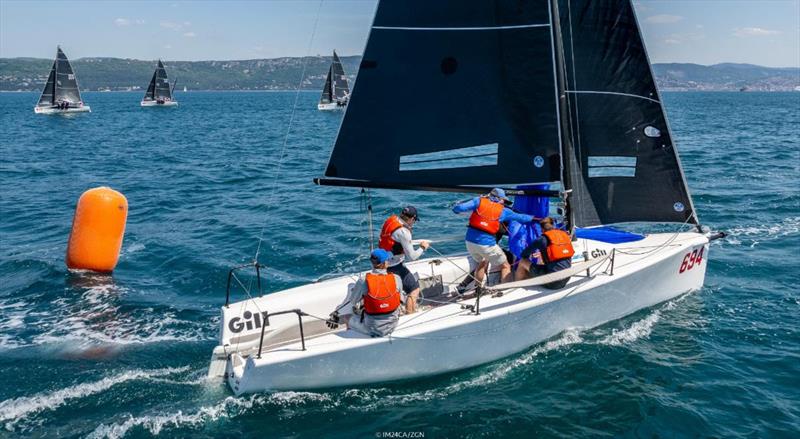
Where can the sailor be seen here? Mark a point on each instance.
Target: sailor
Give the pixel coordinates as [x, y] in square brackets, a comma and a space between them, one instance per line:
[488, 212]
[396, 238]
[372, 305]
[555, 253]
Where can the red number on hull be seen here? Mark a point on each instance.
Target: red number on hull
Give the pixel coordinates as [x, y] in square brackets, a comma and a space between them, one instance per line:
[692, 259]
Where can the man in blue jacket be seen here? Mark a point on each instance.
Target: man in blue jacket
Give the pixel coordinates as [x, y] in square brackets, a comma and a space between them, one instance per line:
[488, 212]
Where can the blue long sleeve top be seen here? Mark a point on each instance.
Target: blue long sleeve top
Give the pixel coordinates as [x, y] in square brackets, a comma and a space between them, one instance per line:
[479, 237]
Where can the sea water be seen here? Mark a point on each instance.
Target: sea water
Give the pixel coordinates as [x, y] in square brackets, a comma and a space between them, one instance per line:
[126, 355]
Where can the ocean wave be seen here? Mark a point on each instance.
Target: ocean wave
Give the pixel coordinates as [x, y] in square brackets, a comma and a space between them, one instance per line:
[15, 410]
[754, 235]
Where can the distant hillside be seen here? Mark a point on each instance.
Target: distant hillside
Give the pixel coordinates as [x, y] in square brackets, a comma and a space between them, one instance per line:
[726, 77]
[129, 74]
[29, 74]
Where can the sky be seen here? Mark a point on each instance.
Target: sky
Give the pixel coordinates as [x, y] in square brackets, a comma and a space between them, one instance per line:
[764, 32]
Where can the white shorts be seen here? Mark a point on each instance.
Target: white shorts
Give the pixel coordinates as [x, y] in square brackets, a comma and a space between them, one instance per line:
[492, 253]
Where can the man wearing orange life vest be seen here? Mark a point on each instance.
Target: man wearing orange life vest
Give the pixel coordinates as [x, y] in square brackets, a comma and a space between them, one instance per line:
[396, 238]
[372, 305]
[484, 222]
[555, 250]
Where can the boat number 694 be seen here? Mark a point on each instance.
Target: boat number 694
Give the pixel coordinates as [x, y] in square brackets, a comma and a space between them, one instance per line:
[695, 257]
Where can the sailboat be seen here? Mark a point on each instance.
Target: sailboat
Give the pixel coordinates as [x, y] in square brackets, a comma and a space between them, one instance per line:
[566, 112]
[61, 93]
[336, 92]
[159, 92]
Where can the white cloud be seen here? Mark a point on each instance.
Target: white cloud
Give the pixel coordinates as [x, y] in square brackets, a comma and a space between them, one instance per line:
[123, 22]
[663, 19]
[753, 32]
[672, 41]
[168, 46]
[189, 34]
[174, 25]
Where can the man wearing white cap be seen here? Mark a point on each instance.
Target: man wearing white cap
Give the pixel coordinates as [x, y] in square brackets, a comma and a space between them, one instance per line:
[488, 212]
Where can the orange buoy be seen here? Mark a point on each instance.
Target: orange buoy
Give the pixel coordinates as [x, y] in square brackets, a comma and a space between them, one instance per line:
[97, 230]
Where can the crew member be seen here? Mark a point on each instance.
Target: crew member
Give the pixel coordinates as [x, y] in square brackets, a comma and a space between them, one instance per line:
[488, 212]
[555, 251]
[396, 238]
[372, 305]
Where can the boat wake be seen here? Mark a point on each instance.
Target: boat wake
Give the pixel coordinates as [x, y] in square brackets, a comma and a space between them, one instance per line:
[637, 330]
[227, 408]
[14, 411]
[81, 323]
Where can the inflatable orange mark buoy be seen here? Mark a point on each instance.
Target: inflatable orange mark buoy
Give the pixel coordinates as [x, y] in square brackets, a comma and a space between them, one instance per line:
[97, 230]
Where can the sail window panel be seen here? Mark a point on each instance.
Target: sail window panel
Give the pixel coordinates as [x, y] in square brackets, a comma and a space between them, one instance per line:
[609, 161]
[474, 156]
[461, 13]
[612, 171]
[503, 92]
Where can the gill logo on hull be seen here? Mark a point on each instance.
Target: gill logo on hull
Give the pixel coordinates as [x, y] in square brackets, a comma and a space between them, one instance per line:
[248, 321]
[596, 253]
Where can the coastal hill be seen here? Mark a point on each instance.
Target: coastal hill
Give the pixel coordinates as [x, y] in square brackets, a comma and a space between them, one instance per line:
[29, 74]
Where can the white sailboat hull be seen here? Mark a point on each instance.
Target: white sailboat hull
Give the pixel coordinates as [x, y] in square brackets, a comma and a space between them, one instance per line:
[448, 338]
[156, 104]
[49, 110]
[330, 106]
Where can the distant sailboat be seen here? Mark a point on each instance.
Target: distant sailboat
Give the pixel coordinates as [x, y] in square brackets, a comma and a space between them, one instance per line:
[184, 89]
[336, 92]
[159, 93]
[61, 93]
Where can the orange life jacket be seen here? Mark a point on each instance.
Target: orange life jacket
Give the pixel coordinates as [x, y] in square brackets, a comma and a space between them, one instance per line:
[486, 217]
[386, 242]
[382, 295]
[559, 245]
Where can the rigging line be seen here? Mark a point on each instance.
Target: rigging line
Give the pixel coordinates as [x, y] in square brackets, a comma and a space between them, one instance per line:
[280, 157]
[288, 130]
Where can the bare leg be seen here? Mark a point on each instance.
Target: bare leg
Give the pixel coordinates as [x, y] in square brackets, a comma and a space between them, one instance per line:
[523, 269]
[480, 272]
[411, 302]
[505, 272]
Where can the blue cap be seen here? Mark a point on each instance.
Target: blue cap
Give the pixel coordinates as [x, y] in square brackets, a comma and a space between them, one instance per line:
[379, 256]
[498, 193]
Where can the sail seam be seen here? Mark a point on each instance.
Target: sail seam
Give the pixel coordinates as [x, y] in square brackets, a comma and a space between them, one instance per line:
[597, 92]
[518, 26]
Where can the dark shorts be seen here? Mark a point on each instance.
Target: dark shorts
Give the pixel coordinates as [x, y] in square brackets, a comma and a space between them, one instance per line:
[539, 270]
[410, 282]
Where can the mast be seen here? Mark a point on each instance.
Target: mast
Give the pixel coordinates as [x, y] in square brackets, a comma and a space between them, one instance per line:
[55, 77]
[564, 116]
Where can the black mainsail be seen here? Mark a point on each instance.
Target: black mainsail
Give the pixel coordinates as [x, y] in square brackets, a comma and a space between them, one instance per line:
[159, 88]
[336, 88]
[62, 85]
[510, 92]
